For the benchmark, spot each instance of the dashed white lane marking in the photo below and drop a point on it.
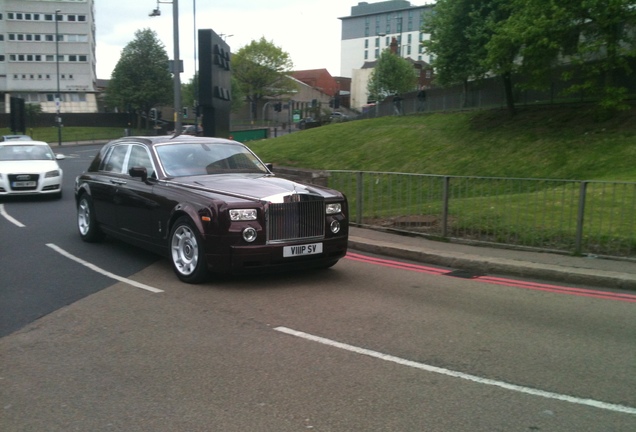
(8, 217)
(461, 375)
(102, 271)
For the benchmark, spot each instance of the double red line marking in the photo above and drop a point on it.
(624, 297)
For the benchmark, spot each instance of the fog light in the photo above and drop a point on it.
(335, 226)
(249, 234)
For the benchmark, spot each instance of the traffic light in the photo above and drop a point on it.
(185, 112)
(278, 107)
(153, 114)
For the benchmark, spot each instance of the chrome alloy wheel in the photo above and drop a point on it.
(84, 217)
(185, 250)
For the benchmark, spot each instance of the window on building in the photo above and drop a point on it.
(71, 18)
(1, 37)
(10, 15)
(81, 18)
(2, 58)
(83, 58)
(48, 17)
(49, 37)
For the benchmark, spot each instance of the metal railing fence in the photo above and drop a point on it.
(579, 217)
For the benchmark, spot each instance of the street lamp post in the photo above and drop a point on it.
(377, 78)
(176, 64)
(58, 119)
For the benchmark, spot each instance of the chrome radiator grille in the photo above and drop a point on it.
(295, 221)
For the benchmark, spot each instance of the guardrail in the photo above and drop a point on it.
(579, 217)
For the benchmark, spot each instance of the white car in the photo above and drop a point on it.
(29, 168)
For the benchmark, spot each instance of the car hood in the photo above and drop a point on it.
(28, 166)
(255, 187)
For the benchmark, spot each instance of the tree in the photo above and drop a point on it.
(605, 43)
(392, 75)
(594, 35)
(456, 57)
(501, 52)
(32, 111)
(261, 70)
(141, 79)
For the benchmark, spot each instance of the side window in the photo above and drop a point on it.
(114, 160)
(139, 157)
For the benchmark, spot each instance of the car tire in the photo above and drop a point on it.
(186, 252)
(86, 222)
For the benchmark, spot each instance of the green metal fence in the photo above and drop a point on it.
(579, 217)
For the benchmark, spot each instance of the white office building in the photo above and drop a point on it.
(370, 28)
(42, 51)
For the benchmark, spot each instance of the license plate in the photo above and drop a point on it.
(300, 250)
(24, 184)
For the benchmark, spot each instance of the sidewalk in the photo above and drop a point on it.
(549, 267)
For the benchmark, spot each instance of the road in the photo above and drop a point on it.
(369, 345)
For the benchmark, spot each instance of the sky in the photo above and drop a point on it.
(308, 30)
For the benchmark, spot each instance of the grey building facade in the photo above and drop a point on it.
(31, 35)
(371, 27)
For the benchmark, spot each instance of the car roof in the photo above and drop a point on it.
(22, 142)
(170, 139)
(15, 137)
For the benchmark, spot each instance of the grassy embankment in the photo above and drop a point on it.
(557, 143)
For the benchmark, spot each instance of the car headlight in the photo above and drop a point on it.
(334, 208)
(54, 173)
(242, 214)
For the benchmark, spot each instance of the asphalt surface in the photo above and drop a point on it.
(551, 267)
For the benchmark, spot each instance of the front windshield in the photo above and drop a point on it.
(189, 159)
(25, 152)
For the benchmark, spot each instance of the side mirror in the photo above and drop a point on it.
(139, 172)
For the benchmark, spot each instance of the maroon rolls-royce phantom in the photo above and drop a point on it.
(210, 205)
